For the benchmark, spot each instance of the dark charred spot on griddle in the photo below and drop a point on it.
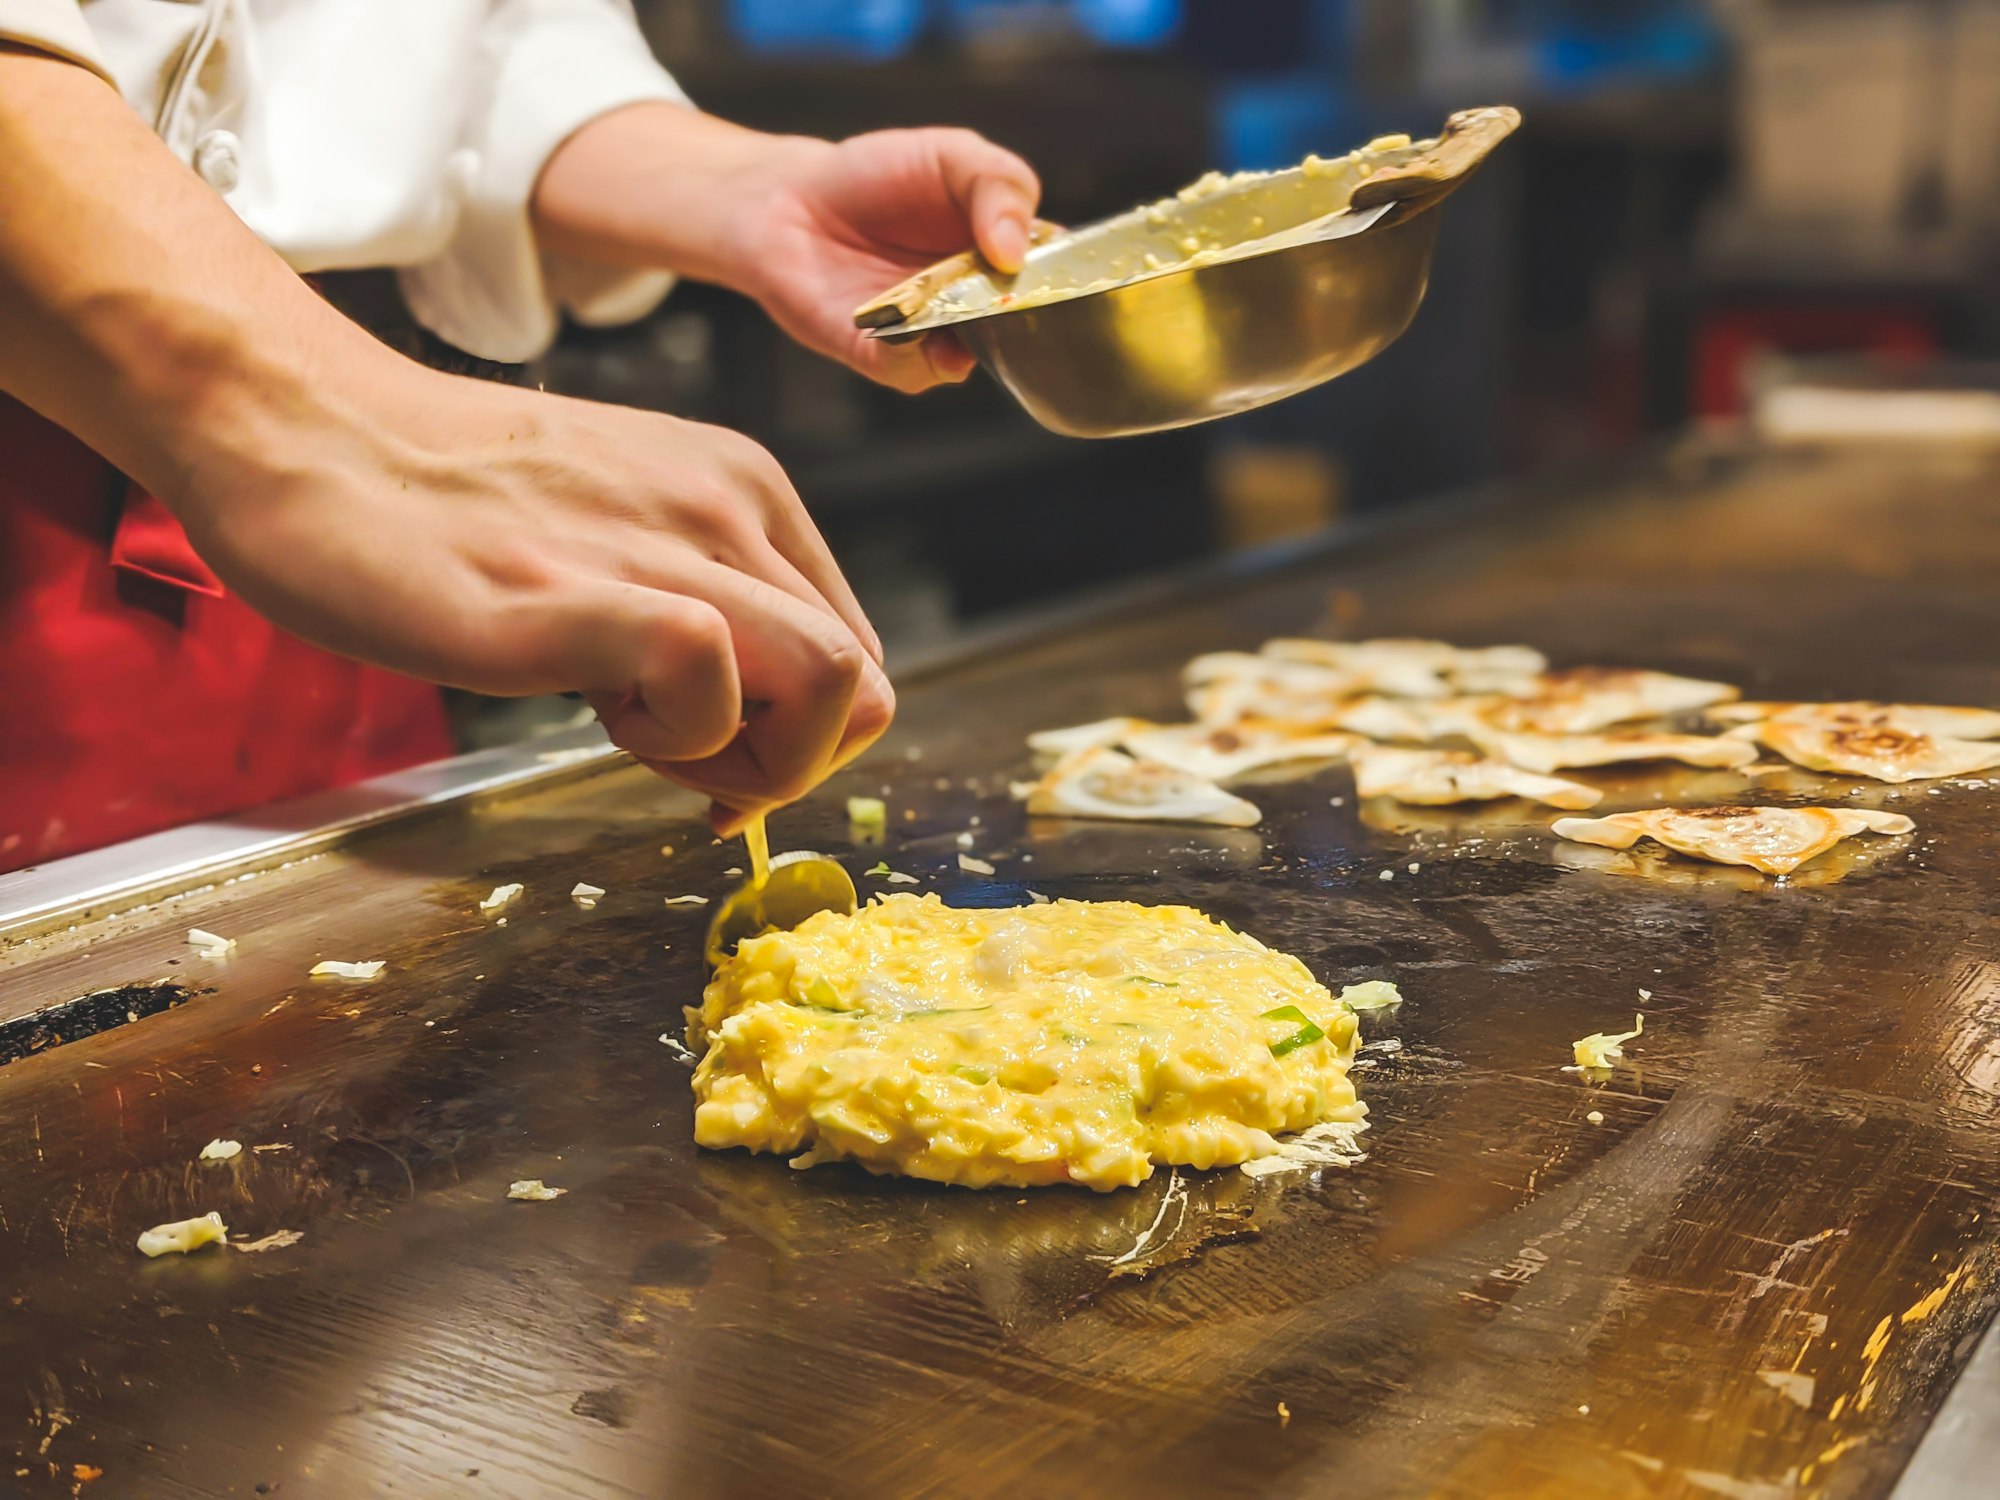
(86, 1016)
(676, 1263)
(612, 1407)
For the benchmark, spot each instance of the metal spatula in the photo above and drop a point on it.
(794, 887)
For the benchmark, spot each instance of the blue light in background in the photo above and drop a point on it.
(868, 30)
(1672, 43)
(1129, 23)
(1272, 122)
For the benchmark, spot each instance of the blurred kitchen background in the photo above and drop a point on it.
(1704, 190)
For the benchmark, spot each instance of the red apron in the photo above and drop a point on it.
(136, 693)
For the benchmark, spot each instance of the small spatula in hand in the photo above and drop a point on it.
(779, 894)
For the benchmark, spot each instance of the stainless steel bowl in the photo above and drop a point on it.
(1238, 293)
(1202, 343)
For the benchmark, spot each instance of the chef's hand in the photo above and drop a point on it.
(843, 222)
(467, 533)
(812, 229)
(512, 542)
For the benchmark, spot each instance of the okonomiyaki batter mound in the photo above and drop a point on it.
(1075, 1041)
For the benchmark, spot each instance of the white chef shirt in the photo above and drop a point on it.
(403, 133)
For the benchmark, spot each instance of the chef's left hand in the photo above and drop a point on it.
(845, 222)
(811, 229)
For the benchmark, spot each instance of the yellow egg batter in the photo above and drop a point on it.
(1073, 1041)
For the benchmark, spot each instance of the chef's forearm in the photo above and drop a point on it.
(135, 309)
(660, 186)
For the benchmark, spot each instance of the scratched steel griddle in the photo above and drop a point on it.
(1758, 1276)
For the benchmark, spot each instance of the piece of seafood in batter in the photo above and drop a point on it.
(1774, 840)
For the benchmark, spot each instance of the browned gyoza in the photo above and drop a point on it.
(1873, 748)
(1774, 840)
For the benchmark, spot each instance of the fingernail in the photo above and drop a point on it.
(875, 684)
(1010, 241)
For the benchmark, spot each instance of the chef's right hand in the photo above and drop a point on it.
(512, 542)
(472, 534)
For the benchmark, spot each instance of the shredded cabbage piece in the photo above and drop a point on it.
(1331, 1143)
(1603, 1049)
(533, 1190)
(185, 1235)
(339, 970)
(280, 1239)
(1372, 994)
(501, 895)
(219, 1150)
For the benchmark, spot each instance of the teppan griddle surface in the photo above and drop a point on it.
(1756, 1277)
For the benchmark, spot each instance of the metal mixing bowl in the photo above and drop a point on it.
(1237, 293)
(1201, 343)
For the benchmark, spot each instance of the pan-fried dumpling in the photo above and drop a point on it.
(1219, 752)
(1386, 719)
(1304, 681)
(1388, 667)
(1106, 783)
(1218, 666)
(1435, 778)
(1232, 700)
(1227, 700)
(1555, 752)
(1392, 656)
(1416, 720)
(1775, 840)
(1880, 750)
(1584, 700)
(1215, 752)
(1083, 736)
(1917, 718)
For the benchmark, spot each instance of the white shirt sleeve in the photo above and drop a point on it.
(548, 67)
(52, 26)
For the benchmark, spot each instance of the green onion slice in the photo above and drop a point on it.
(1306, 1035)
